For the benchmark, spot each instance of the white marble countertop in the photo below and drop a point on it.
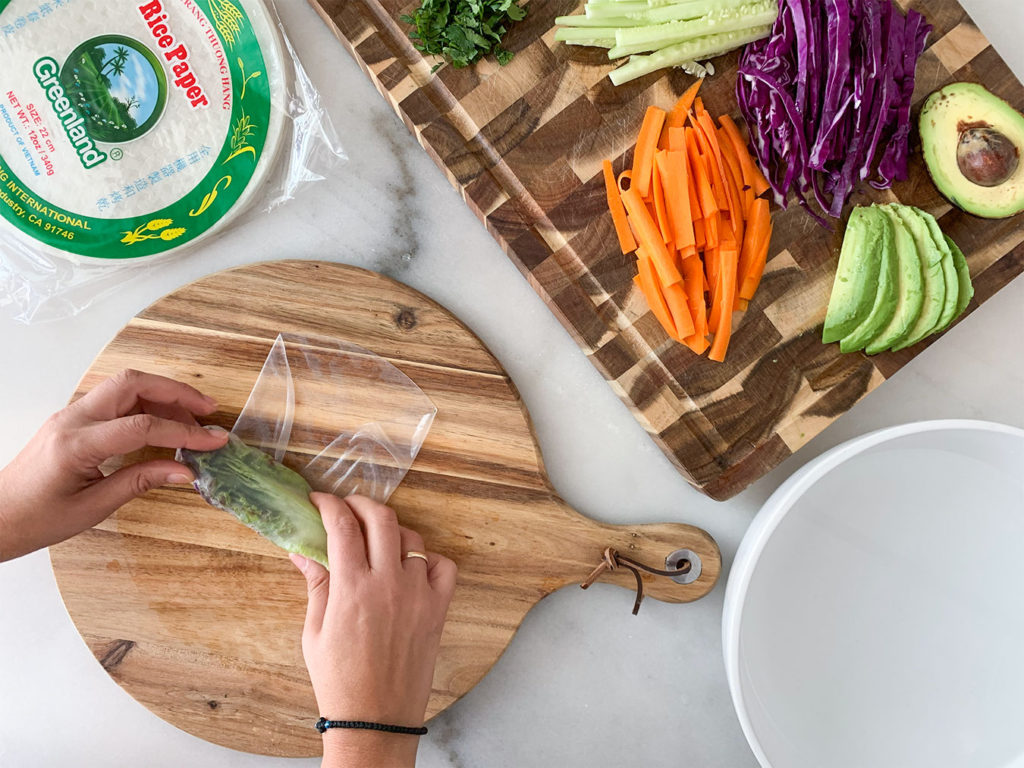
(583, 685)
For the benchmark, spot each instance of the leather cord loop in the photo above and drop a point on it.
(612, 560)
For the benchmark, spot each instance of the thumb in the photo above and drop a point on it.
(130, 482)
(318, 586)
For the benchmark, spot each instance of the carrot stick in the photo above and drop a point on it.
(663, 139)
(646, 144)
(731, 161)
(726, 301)
(649, 237)
(736, 209)
(722, 256)
(660, 206)
(713, 297)
(749, 245)
(735, 171)
(698, 104)
(662, 317)
(755, 249)
(698, 233)
(626, 175)
(712, 273)
(708, 140)
(677, 115)
(699, 168)
(618, 210)
(712, 230)
(693, 279)
(697, 343)
(741, 304)
(691, 186)
(652, 292)
(649, 203)
(673, 170)
(675, 297)
(752, 174)
(676, 139)
(753, 279)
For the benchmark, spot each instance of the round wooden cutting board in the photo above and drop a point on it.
(200, 619)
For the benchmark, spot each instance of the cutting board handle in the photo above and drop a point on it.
(582, 543)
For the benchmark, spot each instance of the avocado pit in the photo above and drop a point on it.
(972, 141)
(985, 156)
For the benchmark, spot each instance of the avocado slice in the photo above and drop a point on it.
(972, 142)
(910, 290)
(963, 274)
(948, 270)
(856, 283)
(932, 275)
(886, 295)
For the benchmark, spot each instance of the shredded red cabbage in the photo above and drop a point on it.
(827, 99)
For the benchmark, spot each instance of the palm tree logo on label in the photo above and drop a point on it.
(117, 85)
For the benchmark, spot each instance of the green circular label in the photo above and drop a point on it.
(117, 85)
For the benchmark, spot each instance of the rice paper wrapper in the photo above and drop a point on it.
(341, 416)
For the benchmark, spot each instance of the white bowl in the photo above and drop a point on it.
(874, 615)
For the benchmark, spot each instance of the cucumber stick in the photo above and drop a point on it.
(648, 12)
(631, 40)
(581, 20)
(576, 34)
(608, 10)
(673, 33)
(595, 43)
(661, 14)
(692, 50)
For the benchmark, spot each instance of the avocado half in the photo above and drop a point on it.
(972, 142)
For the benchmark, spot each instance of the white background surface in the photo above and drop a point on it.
(584, 684)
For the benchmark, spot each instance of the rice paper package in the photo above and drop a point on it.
(131, 131)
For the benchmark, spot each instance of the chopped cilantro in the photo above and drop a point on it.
(463, 30)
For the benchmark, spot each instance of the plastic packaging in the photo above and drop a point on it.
(344, 418)
(131, 132)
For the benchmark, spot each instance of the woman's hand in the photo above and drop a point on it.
(54, 489)
(373, 628)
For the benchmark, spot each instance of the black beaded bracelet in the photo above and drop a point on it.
(323, 724)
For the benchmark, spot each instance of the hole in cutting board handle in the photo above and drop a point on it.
(680, 559)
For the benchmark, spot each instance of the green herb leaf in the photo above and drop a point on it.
(462, 31)
(264, 495)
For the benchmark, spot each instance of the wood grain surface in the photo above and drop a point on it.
(523, 144)
(199, 618)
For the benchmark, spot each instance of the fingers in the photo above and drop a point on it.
(318, 589)
(102, 440)
(383, 538)
(441, 573)
(346, 545)
(102, 498)
(412, 542)
(118, 395)
(170, 411)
